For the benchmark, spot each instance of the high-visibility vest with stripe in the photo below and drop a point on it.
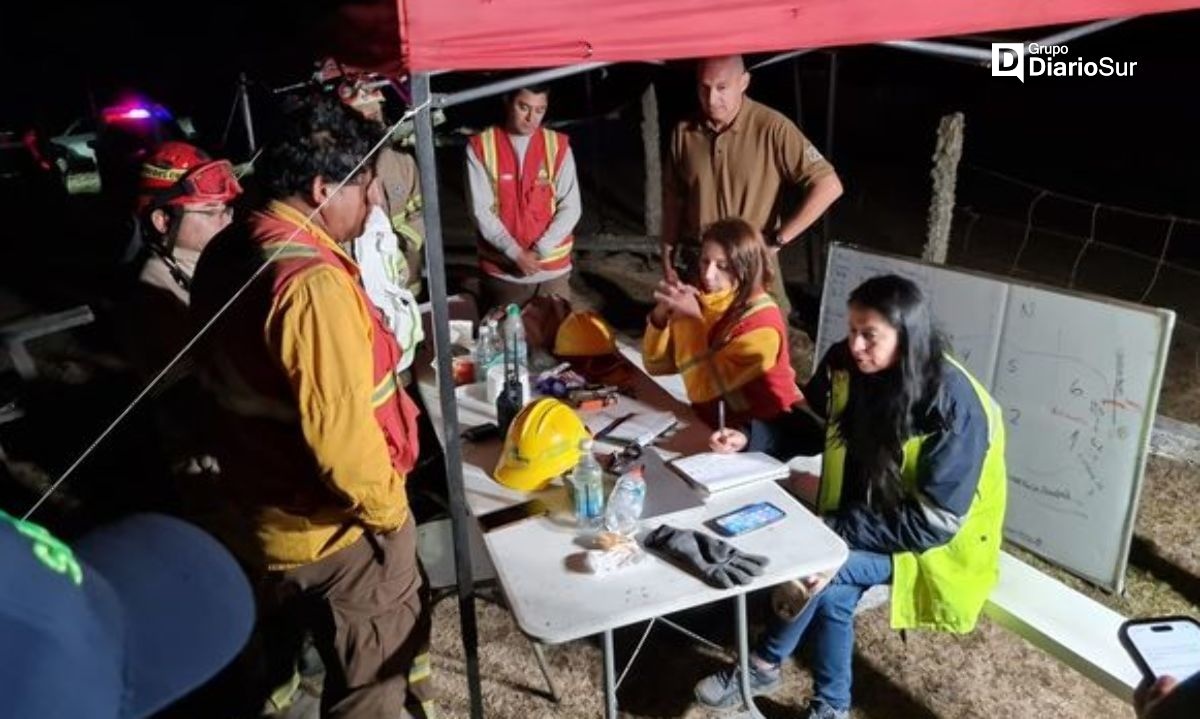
(268, 448)
(771, 393)
(524, 194)
(943, 588)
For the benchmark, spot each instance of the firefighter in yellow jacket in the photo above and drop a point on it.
(318, 440)
(724, 334)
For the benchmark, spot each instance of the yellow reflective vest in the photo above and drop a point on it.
(943, 588)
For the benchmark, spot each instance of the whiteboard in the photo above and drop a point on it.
(1077, 378)
(969, 308)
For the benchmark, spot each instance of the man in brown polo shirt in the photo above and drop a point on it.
(734, 160)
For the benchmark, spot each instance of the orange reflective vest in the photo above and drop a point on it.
(771, 393)
(524, 200)
(299, 517)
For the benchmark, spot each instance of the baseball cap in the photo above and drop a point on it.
(132, 617)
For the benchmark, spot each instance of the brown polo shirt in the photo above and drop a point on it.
(738, 172)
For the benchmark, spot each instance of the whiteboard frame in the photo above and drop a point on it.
(1116, 582)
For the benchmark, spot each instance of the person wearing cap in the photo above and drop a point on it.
(120, 625)
(317, 439)
(524, 199)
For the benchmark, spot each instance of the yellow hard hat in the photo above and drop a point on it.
(584, 334)
(542, 443)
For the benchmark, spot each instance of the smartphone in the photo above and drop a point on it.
(480, 432)
(746, 519)
(510, 515)
(1163, 646)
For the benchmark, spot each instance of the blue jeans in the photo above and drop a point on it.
(831, 616)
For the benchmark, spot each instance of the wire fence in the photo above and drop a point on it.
(1007, 224)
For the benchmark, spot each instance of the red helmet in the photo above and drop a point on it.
(177, 173)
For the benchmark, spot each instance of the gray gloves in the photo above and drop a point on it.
(716, 562)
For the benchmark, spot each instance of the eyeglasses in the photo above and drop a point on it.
(211, 212)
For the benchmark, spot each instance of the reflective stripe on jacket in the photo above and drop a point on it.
(524, 192)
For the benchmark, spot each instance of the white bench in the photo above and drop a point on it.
(1064, 623)
(1067, 625)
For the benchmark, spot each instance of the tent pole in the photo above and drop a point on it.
(514, 83)
(436, 262)
(984, 56)
(782, 57)
(247, 118)
(1077, 32)
(830, 116)
(810, 248)
(943, 49)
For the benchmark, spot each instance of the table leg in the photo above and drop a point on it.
(743, 638)
(610, 677)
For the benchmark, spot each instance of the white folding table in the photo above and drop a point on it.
(554, 602)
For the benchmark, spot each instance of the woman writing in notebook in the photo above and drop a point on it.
(724, 333)
(913, 481)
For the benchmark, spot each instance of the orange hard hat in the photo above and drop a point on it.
(585, 334)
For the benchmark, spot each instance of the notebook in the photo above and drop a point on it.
(713, 472)
(640, 428)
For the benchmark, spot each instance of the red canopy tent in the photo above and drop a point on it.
(471, 35)
(420, 37)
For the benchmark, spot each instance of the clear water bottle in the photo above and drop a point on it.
(514, 336)
(486, 349)
(587, 480)
(626, 502)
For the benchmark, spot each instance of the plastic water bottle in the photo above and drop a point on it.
(588, 482)
(486, 354)
(626, 502)
(514, 336)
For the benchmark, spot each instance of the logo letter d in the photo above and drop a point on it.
(1008, 59)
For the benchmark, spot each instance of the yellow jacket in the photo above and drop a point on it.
(754, 354)
(293, 363)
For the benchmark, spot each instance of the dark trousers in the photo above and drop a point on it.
(367, 607)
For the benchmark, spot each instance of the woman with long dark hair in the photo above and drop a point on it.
(723, 333)
(913, 480)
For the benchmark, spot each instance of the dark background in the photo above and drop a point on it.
(1113, 139)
